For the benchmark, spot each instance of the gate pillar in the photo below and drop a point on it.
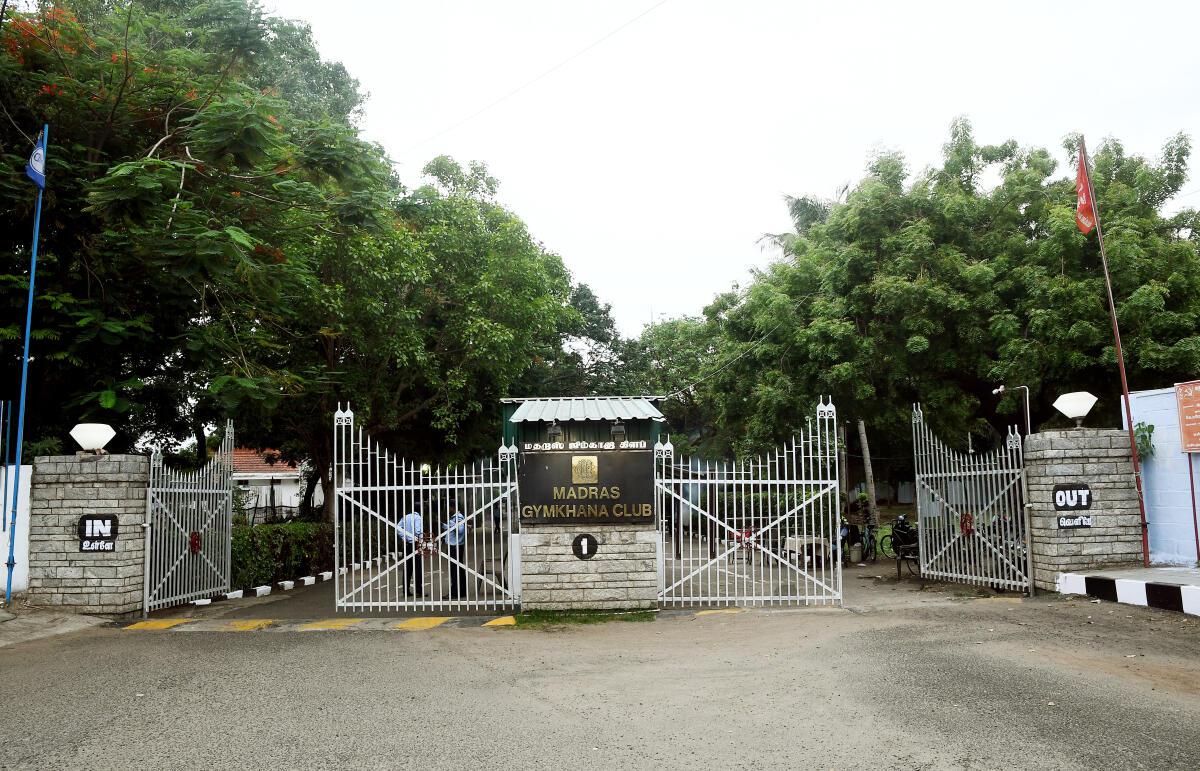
(1083, 508)
(86, 543)
(621, 571)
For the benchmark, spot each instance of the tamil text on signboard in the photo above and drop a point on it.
(1073, 498)
(595, 486)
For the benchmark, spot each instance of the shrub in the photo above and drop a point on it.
(265, 554)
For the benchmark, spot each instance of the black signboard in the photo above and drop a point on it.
(98, 532)
(591, 486)
(1072, 497)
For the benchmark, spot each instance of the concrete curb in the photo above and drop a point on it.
(1184, 599)
(262, 591)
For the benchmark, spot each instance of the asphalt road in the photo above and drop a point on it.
(906, 679)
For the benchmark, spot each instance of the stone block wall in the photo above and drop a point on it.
(622, 575)
(1099, 458)
(65, 487)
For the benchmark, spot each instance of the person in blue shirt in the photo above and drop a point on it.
(456, 540)
(410, 529)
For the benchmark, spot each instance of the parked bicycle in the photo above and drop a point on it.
(870, 550)
(902, 545)
(901, 530)
(864, 535)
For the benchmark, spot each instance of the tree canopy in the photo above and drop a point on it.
(936, 287)
(218, 241)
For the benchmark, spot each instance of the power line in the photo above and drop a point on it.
(540, 77)
(727, 364)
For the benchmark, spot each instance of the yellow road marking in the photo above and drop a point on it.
(250, 624)
(717, 611)
(159, 623)
(502, 621)
(330, 623)
(421, 624)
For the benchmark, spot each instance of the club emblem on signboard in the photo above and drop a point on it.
(585, 470)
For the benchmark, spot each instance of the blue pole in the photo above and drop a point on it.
(16, 492)
(7, 418)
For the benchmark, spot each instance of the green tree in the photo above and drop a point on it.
(933, 288)
(218, 241)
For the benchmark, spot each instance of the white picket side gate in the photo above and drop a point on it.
(376, 565)
(759, 531)
(189, 528)
(972, 522)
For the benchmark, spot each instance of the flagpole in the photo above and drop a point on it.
(1112, 313)
(16, 492)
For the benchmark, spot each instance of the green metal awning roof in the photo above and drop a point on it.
(586, 408)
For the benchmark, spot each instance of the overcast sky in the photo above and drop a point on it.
(654, 161)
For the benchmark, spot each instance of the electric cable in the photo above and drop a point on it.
(538, 78)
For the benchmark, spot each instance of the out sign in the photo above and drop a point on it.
(98, 532)
(1075, 497)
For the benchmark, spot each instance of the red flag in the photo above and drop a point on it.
(1085, 213)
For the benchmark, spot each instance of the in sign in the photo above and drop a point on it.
(97, 532)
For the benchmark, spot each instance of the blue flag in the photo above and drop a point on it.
(36, 168)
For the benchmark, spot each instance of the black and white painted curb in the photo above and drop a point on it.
(1185, 599)
(263, 591)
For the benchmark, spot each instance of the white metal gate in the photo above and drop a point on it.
(972, 522)
(385, 562)
(189, 523)
(759, 531)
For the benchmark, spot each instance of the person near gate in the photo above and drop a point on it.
(411, 529)
(456, 539)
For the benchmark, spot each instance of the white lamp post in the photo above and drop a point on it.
(91, 437)
(1075, 405)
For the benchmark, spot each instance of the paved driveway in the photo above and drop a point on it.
(907, 679)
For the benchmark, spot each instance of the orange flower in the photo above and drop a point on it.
(114, 57)
(236, 193)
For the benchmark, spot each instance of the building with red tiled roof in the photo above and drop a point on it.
(248, 461)
(270, 488)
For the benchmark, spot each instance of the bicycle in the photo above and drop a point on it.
(887, 544)
(869, 547)
(849, 535)
(901, 544)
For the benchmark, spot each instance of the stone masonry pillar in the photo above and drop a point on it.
(623, 574)
(1084, 509)
(66, 488)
